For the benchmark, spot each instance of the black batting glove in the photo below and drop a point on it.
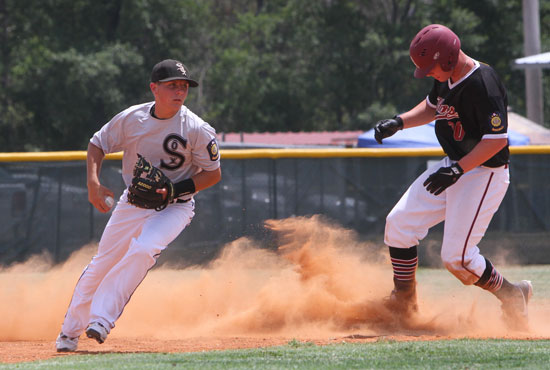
(443, 178)
(387, 127)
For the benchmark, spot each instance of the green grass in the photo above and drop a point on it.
(441, 281)
(383, 354)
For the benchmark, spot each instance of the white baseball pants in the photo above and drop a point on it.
(130, 245)
(467, 208)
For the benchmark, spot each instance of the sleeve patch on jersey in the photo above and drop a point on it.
(213, 151)
(496, 122)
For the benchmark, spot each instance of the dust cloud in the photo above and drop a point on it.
(320, 282)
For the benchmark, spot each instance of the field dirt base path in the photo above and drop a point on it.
(322, 284)
(25, 351)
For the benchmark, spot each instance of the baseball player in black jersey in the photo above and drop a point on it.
(468, 103)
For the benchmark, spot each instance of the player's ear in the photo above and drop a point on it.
(153, 86)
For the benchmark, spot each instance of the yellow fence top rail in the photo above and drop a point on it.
(271, 153)
(50, 156)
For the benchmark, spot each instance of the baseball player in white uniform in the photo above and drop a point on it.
(184, 147)
(469, 104)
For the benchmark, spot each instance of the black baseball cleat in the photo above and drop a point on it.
(514, 307)
(97, 331)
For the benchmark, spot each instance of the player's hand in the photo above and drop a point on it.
(97, 194)
(444, 177)
(164, 193)
(387, 127)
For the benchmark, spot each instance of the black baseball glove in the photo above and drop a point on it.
(444, 177)
(387, 127)
(147, 180)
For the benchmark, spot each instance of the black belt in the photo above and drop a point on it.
(501, 166)
(181, 200)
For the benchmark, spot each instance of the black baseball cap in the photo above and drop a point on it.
(169, 70)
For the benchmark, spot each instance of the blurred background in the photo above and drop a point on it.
(272, 74)
(68, 66)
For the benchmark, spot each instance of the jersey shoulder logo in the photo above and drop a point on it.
(213, 150)
(496, 122)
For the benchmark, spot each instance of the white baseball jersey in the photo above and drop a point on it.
(180, 146)
(134, 237)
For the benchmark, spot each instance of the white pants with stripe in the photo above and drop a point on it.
(467, 208)
(130, 245)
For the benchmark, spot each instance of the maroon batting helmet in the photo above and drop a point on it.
(434, 44)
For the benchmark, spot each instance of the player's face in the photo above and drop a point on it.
(170, 94)
(439, 74)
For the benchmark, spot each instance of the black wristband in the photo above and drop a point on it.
(399, 120)
(460, 170)
(184, 187)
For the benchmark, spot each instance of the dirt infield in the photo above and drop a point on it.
(22, 351)
(321, 285)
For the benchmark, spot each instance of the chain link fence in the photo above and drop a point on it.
(44, 204)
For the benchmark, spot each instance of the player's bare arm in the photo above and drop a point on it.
(484, 150)
(96, 192)
(444, 177)
(202, 180)
(418, 116)
(206, 179)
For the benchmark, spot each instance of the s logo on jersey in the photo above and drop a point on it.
(496, 122)
(173, 145)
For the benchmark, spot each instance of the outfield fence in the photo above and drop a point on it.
(44, 202)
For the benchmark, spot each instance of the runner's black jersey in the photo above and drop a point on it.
(470, 109)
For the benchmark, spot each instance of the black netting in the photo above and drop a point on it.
(44, 205)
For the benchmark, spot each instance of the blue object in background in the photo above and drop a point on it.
(421, 137)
